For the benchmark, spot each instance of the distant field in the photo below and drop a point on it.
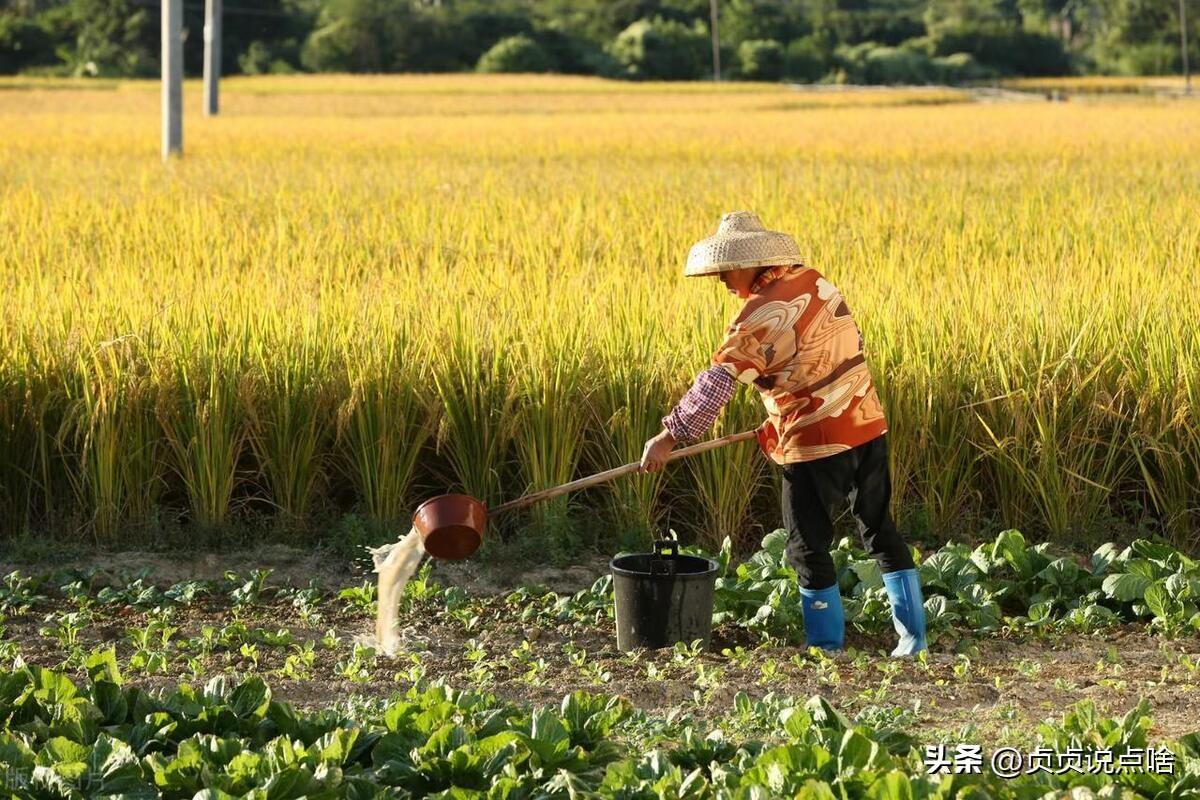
(385, 95)
(1101, 84)
(355, 292)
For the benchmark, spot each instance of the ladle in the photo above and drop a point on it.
(452, 525)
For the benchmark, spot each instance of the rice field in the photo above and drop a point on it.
(353, 293)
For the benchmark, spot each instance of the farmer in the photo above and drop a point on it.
(795, 342)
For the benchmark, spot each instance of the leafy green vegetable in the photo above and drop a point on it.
(234, 742)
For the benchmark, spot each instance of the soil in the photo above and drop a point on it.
(298, 567)
(1004, 687)
(291, 566)
(481, 579)
(993, 689)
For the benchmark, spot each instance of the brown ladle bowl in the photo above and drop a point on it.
(452, 525)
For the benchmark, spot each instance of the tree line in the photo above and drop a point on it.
(853, 41)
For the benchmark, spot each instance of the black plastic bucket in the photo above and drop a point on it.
(663, 597)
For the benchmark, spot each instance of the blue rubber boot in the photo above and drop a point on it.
(824, 619)
(908, 610)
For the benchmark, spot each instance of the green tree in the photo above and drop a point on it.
(662, 49)
(630, 38)
(1003, 47)
(382, 36)
(1140, 37)
(889, 65)
(962, 13)
(111, 38)
(259, 58)
(603, 20)
(746, 20)
(267, 36)
(515, 54)
(995, 33)
(808, 58)
(761, 59)
(479, 27)
(24, 42)
(959, 68)
(574, 54)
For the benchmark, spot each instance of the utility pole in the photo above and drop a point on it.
(1187, 75)
(716, 40)
(172, 78)
(212, 56)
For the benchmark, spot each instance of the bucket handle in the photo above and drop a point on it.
(665, 546)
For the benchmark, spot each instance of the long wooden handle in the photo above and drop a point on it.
(617, 472)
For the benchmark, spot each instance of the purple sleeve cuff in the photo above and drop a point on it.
(699, 407)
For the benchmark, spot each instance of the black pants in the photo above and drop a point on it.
(812, 491)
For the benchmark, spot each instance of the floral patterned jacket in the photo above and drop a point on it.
(795, 341)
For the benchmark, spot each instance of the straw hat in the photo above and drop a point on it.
(741, 242)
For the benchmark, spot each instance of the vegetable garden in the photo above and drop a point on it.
(522, 693)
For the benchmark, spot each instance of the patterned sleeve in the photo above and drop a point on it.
(740, 354)
(698, 409)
